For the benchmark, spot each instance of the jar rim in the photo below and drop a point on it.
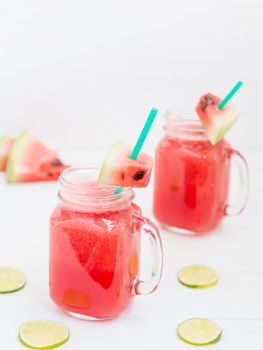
(183, 120)
(75, 188)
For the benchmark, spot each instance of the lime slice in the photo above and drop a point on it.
(11, 279)
(43, 334)
(197, 276)
(199, 331)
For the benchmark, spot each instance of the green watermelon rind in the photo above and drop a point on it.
(17, 150)
(110, 156)
(6, 144)
(221, 127)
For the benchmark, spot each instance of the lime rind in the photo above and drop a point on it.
(44, 348)
(197, 276)
(203, 332)
(37, 334)
(13, 290)
(11, 279)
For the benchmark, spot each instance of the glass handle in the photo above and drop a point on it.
(147, 228)
(240, 162)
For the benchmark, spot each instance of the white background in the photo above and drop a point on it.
(83, 74)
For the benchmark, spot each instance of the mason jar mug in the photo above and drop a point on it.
(95, 247)
(191, 185)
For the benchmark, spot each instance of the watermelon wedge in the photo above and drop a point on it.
(119, 170)
(6, 144)
(216, 122)
(30, 160)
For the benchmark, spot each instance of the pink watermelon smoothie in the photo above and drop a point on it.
(93, 259)
(191, 182)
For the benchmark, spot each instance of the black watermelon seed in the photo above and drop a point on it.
(138, 175)
(209, 100)
(203, 106)
(56, 162)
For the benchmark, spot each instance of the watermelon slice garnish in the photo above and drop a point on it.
(119, 170)
(215, 121)
(31, 160)
(6, 144)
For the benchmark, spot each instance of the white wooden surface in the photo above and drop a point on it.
(234, 250)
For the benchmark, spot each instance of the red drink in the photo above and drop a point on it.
(191, 178)
(94, 250)
(90, 259)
